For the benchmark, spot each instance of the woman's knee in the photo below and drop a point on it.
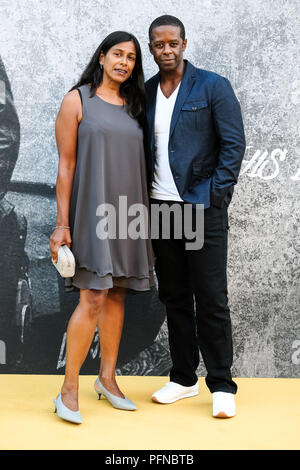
(93, 300)
(117, 294)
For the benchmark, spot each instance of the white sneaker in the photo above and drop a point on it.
(223, 405)
(172, 392)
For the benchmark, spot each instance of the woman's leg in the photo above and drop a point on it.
(80, 333)
(110, 325)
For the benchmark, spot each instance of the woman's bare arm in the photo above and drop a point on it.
(66, 128)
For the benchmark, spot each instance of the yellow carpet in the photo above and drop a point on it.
(268, 417)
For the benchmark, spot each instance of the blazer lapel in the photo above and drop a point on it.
(184, 89)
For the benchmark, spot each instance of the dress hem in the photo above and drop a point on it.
(109, 273)
(89, 279)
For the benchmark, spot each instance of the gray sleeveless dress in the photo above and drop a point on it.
(110, 163)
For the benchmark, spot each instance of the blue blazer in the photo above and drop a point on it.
(206, 141)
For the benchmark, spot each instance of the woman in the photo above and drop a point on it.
(99, 134)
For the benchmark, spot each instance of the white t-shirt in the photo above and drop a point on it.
(163, 183)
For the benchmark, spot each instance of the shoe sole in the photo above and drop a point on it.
(222, 414)
(188, 395)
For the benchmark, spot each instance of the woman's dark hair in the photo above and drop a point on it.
(133, 89)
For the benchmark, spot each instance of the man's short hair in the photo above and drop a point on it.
(167, 20)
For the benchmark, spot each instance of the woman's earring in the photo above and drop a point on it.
(101, 67)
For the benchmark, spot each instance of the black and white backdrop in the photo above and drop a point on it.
(44, 46)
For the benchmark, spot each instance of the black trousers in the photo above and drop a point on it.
(193, 287)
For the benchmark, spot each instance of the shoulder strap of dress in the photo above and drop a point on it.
(80, 94)
(83, 91)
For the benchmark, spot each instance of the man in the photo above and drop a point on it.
(196, 146)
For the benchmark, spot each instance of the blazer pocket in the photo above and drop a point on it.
(200, 172)
(194, 106)
(194, 114)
